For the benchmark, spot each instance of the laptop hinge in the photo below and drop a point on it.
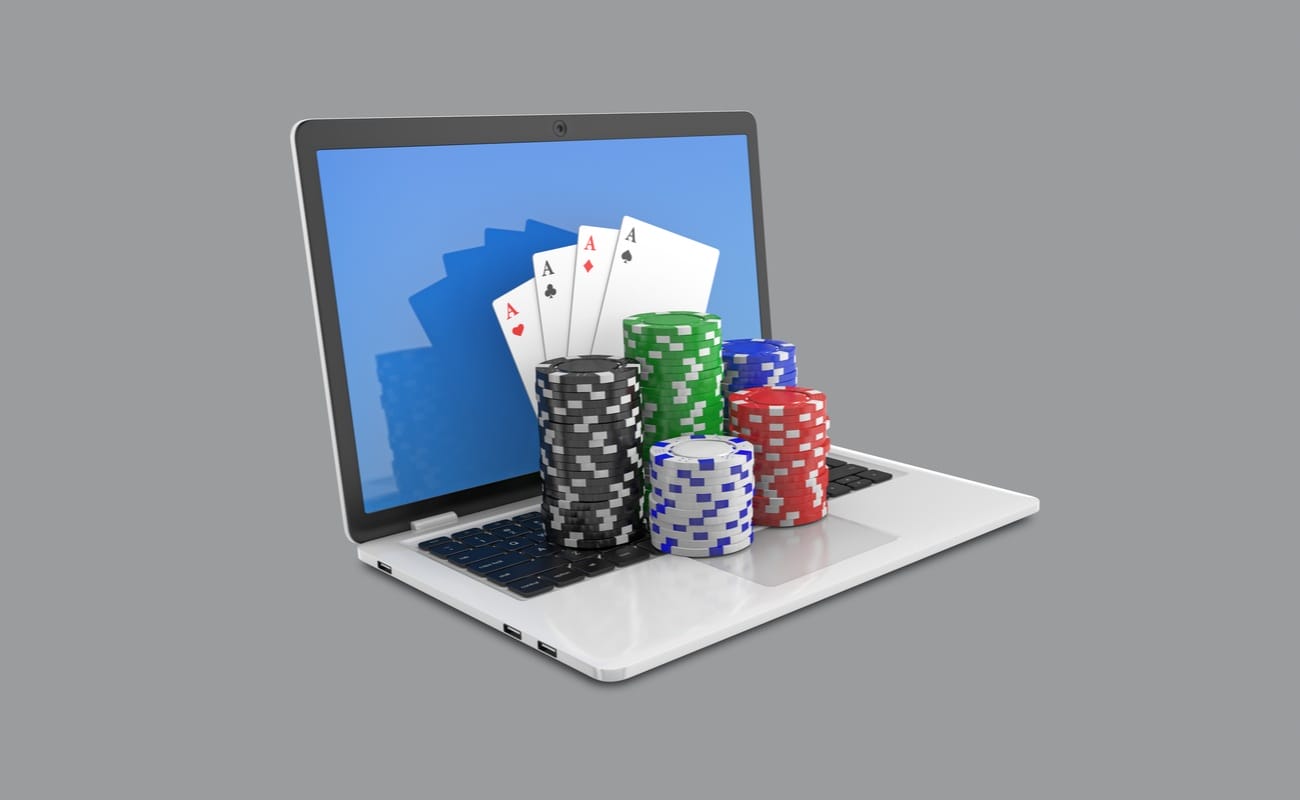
(436, 521)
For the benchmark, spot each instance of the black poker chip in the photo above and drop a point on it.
(613, 504)
(625, 437)
(565, 461)
(614, 450)
(587, 370)
(624, 419)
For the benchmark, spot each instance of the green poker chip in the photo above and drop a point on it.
(679, 323)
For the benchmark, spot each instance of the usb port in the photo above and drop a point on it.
(547, 649)
(384, 567)
(512, 631)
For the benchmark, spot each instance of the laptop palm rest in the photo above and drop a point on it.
(783, 554)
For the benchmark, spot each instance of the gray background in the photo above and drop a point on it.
(1051, 249)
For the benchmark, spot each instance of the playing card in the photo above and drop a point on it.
(553, 271)
(517, 313)
(590, 274)
(652, 270)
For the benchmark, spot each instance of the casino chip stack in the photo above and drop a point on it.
(788, 428)
(701, 492)
(747, 363)
(680, 353)
(589, 426)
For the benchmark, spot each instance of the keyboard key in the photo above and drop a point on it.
(478, 539)
(625, 555)
(571, 553)
(537, 536)
(499, 524)
(845, 470)
(460, 536)
(467, 557)
(448, 549)
(878, 476)
(837, 489)
(528, 516)
(834, 462)
(516, 543)
(534, 526)
(592, 565)
(495, 563)
(528, 587)
(563, 576)
(847, 480)
(429, 544)
(513, 573)
(533, 550)
(859, 483)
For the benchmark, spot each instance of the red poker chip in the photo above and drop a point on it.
(788, 512)
(787, 521)
(779, 436)
(797, 478)
(776, 463)
(793, 476)
(812, 455)
(783, 502)
(778, 400)
(791, 491)
(759, 421)
(791, 488)
(784, 445)
(777, 456)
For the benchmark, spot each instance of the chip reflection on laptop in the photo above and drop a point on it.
(557, 403)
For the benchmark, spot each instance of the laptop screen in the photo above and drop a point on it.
(423, 239)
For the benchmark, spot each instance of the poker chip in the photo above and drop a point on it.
(788, 428)
(700, 494)
(600, 372)
(674, 323)
(749, 351)
(668, 544)
(601, 543)
(590, 451)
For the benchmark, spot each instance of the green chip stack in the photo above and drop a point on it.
(681, 372)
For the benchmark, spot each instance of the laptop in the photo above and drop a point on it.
(412, 227)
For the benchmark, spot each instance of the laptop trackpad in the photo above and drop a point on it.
(782, 554)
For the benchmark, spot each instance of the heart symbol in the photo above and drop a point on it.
(588, 265)
(518, 330)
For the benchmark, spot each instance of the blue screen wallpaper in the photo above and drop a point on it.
(422, 239)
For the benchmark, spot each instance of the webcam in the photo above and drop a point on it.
(560, 127)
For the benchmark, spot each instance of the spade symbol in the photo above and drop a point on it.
(627, 256)
(550, 290)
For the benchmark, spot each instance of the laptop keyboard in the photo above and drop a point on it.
(514, 555)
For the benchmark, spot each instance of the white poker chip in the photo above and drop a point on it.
(666, 544)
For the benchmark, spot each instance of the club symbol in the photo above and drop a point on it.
(627, 256)
(550, 290)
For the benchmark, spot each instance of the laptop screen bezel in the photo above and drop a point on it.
(314, 135)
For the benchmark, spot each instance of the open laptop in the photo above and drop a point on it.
(412, 227)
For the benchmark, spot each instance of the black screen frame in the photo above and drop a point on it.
(311, 136)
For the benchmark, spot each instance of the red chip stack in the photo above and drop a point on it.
(788, 427)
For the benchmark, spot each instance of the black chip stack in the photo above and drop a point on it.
(589, 431)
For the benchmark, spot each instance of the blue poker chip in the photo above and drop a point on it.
(744, 351)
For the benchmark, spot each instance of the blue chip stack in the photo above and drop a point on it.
(747, 363)
(701, 495)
